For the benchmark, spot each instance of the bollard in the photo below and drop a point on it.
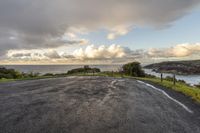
(161, 77)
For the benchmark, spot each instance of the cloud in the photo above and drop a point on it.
(118, 31)
(20, 55)
(89, 54)
(180, 50)
(99, 53)
(52, 54)
(31, 42)
(34, 54)
(106, 54)
(35, 24)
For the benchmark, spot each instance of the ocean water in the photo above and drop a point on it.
(42, 69)
(190, 79)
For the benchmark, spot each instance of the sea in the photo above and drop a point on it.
(43, 69)
(190, 79)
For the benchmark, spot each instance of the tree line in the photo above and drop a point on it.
(13, 74)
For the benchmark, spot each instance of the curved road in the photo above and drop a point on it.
(93, 105)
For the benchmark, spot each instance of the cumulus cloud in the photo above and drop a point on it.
(180, 50)
(106, 54)
(90, 54)
(101, 52)
(35, 24)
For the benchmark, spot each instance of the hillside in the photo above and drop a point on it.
(178, 67)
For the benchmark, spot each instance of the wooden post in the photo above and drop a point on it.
(161, 77)
(174, 79)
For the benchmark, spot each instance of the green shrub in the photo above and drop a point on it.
(48, 74)
(84, 70)
(133, 69)
(150, 76)
(9, 73)
(198, 85)
(168, 78)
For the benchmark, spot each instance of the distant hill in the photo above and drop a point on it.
(178, 67)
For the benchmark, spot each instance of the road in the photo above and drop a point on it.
(93, 105)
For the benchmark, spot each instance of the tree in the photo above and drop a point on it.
(133, 69)
(85, 69)
(9, 73)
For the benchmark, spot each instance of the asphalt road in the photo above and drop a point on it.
(93, 105)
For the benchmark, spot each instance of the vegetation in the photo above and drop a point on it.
(9, 73)
(105, 74)
(21, 79)
(133, 69)
(85, 69)
(178, 67)
(181, 87)
(198, 86)
(13, 74)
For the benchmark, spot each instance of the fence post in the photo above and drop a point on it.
(161, 77)
(174, 79)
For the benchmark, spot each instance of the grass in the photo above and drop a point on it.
(185, 89)
(21, 79)
(106, 74)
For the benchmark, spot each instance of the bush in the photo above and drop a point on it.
(9, 73)
(198, 85)
(150, 76)
(84, 70)
(133, 69)
(48, 74)
(182, 81)
(168, 78)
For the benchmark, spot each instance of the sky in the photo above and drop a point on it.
(98, 31)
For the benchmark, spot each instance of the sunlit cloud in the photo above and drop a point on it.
(101, 52)
(106, 54)
(180, 50)
(118, 31)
